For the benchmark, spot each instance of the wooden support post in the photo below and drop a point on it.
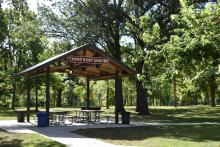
(28, 98)
(116, 99)
(107, 96)
(48, 93)
(36, 95)
(87, 93)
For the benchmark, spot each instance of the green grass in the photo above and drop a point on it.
(200, 135)
(6, 114)
(158, 136)
(165, 136)
(26, 140)
(170, 114)
(166, 114)
(181, 114)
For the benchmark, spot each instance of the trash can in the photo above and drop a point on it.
(21, 115)
(125, 116)
(42, 119)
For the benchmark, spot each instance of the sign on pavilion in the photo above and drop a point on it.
(89, 60)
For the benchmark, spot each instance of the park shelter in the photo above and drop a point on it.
(85, 61)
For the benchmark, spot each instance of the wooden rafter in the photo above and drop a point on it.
(62, 63)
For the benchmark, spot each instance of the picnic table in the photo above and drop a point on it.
(88, 115)
(57, 117)
(60, 117)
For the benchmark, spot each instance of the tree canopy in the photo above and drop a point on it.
(173, 45)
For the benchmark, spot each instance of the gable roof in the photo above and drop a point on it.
(62, 63)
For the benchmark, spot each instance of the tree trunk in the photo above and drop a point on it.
(153, 101)
(119, 107)
(160, 95)
(118, 95)
(59, 97)
(174, 91)
(142, 100)
(138, 85)
(206, 99)
(71, 95)
(113, 101)
(99, 99)
(143, 108)
(212, 84)
(14, 95)
(127, 98)
(125, 101)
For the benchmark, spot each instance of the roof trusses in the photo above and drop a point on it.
(93, 70)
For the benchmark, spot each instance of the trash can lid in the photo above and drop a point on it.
(21, 110)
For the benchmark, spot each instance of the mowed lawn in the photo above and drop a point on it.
(164, 114)
(25, 140)
(170, 114)
(159, 136)
(165, 136)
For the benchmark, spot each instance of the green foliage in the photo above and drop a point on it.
(3, 27)
(196, 43)
(24, 42)
(176, 41)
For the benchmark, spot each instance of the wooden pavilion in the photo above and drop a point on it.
(85, 61)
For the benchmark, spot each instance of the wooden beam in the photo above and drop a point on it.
(105, 72)
(92, 71)
(116, 99)
(36, 94)
(84, 73)
(78, 51)
(103, 78)
(87, 93)
(108, 68)
(89, 52)
(28, 98)
(79, 73)
(84, 52)
(48, 93)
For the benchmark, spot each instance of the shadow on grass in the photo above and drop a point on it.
(31, 140)
(186, 114)
(19, 143)
(200, 133)
(47, 144)
(11, 143)
(6, 113)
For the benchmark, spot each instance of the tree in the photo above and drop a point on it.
(4, 87)
(154, 12)
(197, 42)
(98, 22)
(24, 42)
